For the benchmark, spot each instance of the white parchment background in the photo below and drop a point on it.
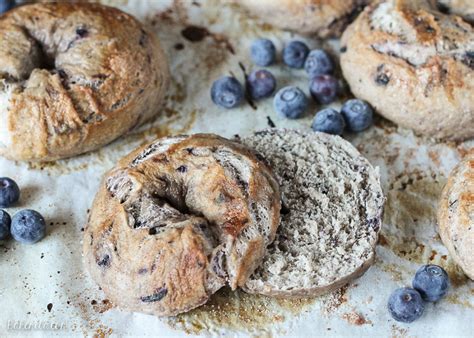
(413, 171)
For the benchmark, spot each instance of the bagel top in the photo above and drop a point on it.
(325, 18)
(176, 220)
(456, 214)
(415, 65)
(74, 77)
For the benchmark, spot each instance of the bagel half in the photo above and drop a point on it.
(74, 77)
(176, 220)
(331, 214)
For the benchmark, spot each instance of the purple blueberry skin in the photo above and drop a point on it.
(262, 52)
(5, 222)
(290, 102)
(28, 226)
(432, 282)
(6, 5)
(261, 84)
(358, 115)
(406, 305)
(324, 88)
(9, 192)
(318, 62)
(295, 54)
(227, 92)
(328, 121)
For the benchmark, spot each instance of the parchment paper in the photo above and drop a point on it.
(44, 290)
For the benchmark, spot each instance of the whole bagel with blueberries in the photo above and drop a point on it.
(325, 18)
(415, 65)
(178, 219)
(74, 77)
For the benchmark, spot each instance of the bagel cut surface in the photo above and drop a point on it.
(178, 219)
(74, 77)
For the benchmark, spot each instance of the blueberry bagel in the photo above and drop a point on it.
(415, 65)
(456, 214)
(74, 77)
(331, 214)
(177, 219)
(325, 18)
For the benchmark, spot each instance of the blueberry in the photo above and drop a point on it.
(261, 84)
(28, 226)
(358, 114)
(290, 102)
(432, 282)
(324, 88)
(405, 305)
(318, 62)
(6, 5)
(9, 192)
(328, 121)
(294, 55)
(227, 92)
(5, 222)
(262, 52)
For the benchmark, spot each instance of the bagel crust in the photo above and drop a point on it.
(177, 219)
(74, 77)
(415, 65)
(325, 18)
(456, 214)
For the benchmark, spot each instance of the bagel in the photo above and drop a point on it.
(325, 18)
(74, 77)
(414, 65)
(176, 220)
(331, 217)
(456, 214)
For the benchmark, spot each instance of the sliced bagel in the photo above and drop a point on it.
(332, 205)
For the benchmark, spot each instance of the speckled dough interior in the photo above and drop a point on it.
(331, 215)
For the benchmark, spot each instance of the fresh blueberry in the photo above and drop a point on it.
(262, 52)
(328, 121)
(318, 62)
(432, 282)
(405, 305)
(358, 114)
(290, 102)
(28, 226)
(324, 88)
(261, 84)
(9, 192)
(5, 222)
(294, 55)
(6, 5)
(227, 92)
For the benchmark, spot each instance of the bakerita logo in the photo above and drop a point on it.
(38, 325)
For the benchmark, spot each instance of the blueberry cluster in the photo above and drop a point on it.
(430, 284)
(291, 102)
(26, 226)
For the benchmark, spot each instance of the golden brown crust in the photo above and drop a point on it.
(415, 65)
(326, 18)
(80, 76)
(456, 214)
(177, 219)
